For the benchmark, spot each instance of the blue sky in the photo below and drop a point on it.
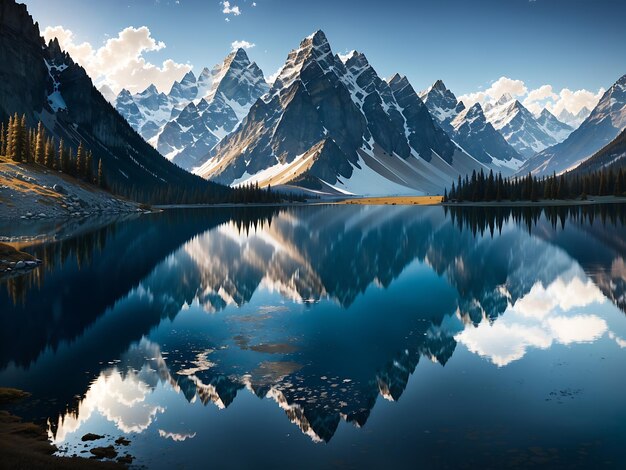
(574, 44)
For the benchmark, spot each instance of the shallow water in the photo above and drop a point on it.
(330, 336)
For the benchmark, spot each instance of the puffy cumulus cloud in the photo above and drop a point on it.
(536, 99)
(539, 319)
(501, 86)
(242, 45)
(574, 101)
(120, 62)
(229, 9)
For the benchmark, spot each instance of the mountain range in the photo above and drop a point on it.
(469, 128)
(198, 112)
(333, 125)
(604, 123)
(374, 135)
(327, 124)
(43, 83)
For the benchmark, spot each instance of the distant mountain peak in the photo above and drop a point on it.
(238, 56)
(439, 86)
(189, 77)
(504, 98)
(150, 90)
(475, 108)
(318, 38)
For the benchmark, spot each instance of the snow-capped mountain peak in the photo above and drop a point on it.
(475, 135)
(330, 123)
(518, 126)
(604, 123)
(552, 126)
(314, 48)
(442, 104)
(199, 111)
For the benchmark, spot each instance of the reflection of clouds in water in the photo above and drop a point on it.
(620, 342)
(121, 400)
(175, 436)
(537, 320)
(561, 294)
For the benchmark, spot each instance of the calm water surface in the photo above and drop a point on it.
(329, 337)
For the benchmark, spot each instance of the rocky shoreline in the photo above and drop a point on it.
(15, 262)
(26, 445)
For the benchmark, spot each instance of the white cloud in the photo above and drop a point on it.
(536, 99)
(120, 62)
(538, 96)
(242, 45)
(230, 9)
(574, 101)
(498, 88)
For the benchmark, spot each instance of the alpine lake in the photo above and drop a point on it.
(327, 337)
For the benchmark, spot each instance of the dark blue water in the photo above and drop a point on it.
(329, 337)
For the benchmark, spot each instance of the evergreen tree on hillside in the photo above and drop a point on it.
(80, 161)
(40, 144)
(17, 140)
(50, 154)
(3, 140)
(100, 180)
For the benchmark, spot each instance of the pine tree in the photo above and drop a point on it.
(3, 140)
(101, 181)
(50, 156)
(63, 162)
(80, 161)
(9, 139)
(40, 144)
(26, 153)
(17, 140)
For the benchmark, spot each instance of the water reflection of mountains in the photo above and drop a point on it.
(307, 255)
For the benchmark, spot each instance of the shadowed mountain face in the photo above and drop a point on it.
(318, 310)
(333, 124)
(43, 82)
(604, 124)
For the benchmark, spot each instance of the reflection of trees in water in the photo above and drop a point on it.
(482, 219)
(80, 250)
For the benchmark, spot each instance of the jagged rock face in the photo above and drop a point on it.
(604, 123)
(442, 104)
(127, 107)
(478, 137)
(553, 127)
(469, 129)
(519, 127)
(42, 82)
(187, 123)
(23, 73)
(332, 125)
(185, 90)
